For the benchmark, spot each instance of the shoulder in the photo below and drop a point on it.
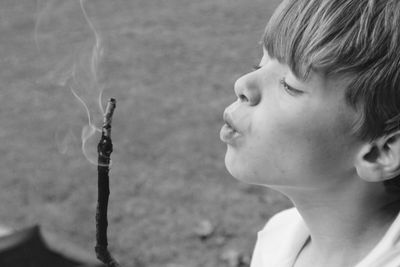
(282, 220)
(389, 258)
(387, 252)
(280, 239)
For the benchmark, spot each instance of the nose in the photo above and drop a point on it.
(247, 89)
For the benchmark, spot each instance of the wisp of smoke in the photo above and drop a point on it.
(77, 69)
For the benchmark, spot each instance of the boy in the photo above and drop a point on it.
(319, 120)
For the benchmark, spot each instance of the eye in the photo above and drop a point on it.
(289, 89)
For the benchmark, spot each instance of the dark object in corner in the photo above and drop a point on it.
(27, 248)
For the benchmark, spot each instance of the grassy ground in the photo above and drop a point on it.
(171, 65)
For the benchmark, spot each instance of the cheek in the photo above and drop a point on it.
(321, 150)
(332, 150)
(263, 156)
(287, 143)
(290, 150)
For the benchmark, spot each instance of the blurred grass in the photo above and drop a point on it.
(171, 65)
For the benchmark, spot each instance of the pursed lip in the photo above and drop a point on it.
(229, 132)
(228, 120)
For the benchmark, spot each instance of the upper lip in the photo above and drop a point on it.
(228, 120)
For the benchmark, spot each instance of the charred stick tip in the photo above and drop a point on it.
(111, 104)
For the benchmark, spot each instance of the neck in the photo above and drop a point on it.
(345, 222)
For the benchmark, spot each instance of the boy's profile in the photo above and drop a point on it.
(319, 121)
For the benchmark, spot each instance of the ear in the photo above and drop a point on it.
(379, 160)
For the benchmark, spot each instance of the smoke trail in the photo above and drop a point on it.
(97, 50)
(63, 140)
(40, 12)
(88, 130)
(76, 61)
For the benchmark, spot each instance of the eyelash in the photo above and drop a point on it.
(292, 91)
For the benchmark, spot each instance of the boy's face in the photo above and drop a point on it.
(290, 133)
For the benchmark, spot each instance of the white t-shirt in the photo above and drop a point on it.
(282, 238)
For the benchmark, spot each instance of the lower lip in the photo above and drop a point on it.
(228, 134)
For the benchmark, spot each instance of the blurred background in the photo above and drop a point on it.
(171, 65)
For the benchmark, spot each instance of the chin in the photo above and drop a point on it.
(230, 165)
(241, 170)
(238, 169)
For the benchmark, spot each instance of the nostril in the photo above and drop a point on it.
(243, 98)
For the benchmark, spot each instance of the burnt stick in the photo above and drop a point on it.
(104, 149)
